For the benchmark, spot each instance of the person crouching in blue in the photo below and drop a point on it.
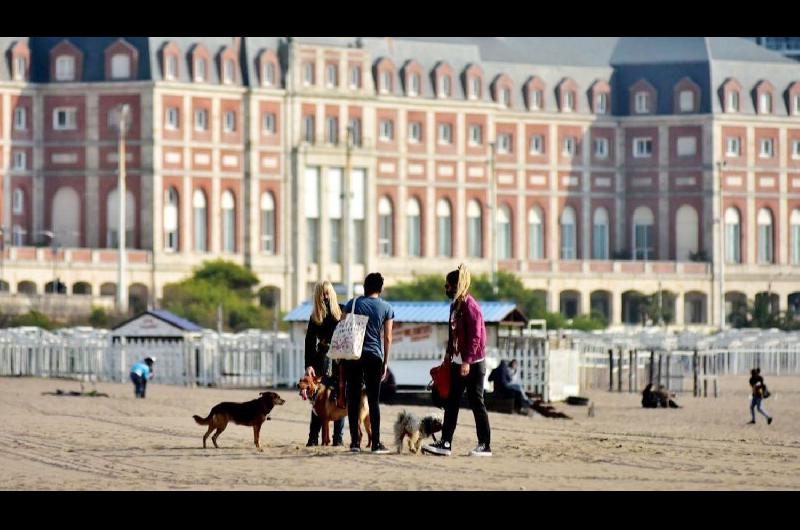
(140, 373)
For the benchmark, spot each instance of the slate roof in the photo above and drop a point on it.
(168, 317)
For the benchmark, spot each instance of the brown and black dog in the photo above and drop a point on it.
(252, 413)
(326, 409)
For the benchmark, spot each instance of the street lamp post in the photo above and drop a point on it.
(721, 219)
(493, 214)
(122, 290)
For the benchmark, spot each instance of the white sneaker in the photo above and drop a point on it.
(440, 448)
(481, 450)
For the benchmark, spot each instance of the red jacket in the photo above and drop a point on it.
(468, 339)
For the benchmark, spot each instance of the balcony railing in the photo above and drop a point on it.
(94, 256)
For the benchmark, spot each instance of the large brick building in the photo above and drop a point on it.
(608, 163)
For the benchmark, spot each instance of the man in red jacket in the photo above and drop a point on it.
(466, 346)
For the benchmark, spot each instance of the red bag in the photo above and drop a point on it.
(440, 386)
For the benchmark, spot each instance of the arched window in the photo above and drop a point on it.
(569, 246)
(414, 228)
(765, 238)
(171, 220)
(385, 228)
(228, 206)
(67, 216)
(444, 221)
(643, 234)
(535, 234)
(733, 242)
(474, 229)
(121, 66)
(504, 233)
(600, 234)
(794, 237)
(686, 232)
(267, 223)
(112, 219)
(199, 206)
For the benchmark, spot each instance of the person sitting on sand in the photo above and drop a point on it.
(665, 398)
(649, 397)
(503, 387)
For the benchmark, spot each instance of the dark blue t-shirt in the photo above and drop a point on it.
(378, 312)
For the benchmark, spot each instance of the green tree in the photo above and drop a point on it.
(32, 318)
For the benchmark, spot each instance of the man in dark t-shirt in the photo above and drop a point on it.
(759, 391)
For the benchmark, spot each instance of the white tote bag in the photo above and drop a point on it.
(348, 337)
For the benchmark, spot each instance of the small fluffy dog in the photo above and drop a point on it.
(251, 413)
(409, 424)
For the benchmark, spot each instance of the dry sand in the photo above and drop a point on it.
(120, 443)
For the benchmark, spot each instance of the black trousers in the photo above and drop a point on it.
(316, 426)
(369, 370)
(473, 383)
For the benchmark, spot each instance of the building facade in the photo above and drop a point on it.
(614, 162)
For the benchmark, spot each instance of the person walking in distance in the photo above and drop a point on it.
(373, 366)
(759, 392)
(325, 314)
(141, 372)
(466, 346)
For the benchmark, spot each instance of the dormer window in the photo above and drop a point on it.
(386, 82)
(569, 101)
(733, 101)
(796, 107)
(414, 85)
(331, 76)
(505, 97)
(444, 86)
(475, 88)
(65, 68)
(121, 66)
(602, 103)
(269, 74)
(20, 68)
(200, 70)
(642, 102)
(537, 100)
(686, 101)
(172, 67)
(229, 72)
(355, 77)
(765, 103)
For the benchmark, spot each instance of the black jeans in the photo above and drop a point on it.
(473, 383)
(316, 425)
(369, 370)
(139, 384)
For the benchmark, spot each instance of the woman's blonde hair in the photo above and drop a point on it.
(463, 285)
(319, 311)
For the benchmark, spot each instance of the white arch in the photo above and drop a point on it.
(443, 208)
(795, 217)
(227, 202)
(412, 207)
(732, 216)
(686, 232)
(568, 216)
(384, 206)
(643, 216)
(267, 201)
(171, 210)
(535, 215)
(764, 217)
(473, 209)
(198, 199)
(67, 217)
(600, 216)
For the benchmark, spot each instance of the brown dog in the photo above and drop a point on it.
(326, 409)
(253, 413)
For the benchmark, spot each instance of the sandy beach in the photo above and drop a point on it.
(120, 443)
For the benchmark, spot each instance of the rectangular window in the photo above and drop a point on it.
(312, 202)
(567, 241)
(504, 143)
(475, 88)
(506, 98)
(642, 102)
(414, 132)
(230, 122)
(308, 73)
(796, 149)
(386, 82)
(796, 109)
(732, 250)
(336, 240)
(65, 68)
(765, 243)
(332, 130)
(733, 101)
(642, 147)
(795, 244)
(602, 103)
(446, 86)
(201, 120)
(20, 160)
(643, 241)
(569, 101)
(19, 205)
(172, 67)
(475, 135)
(600, 241)
(387, 130)
(765, 103)
(601, 148)
(766, 148)
(20, 65)
(569, 147)
(355, 131)
(414, 246)
(331, 76)
(65, 119)
(355, 77)
(537, 99)
(269, 123)
(308, 129)
(20, 119)
(445, 133)
(414, 85)
(172, 118)
(537, 144)
(199, 70)
(120, 66)
(686, 101)
(269, 74)
(687, 146)
(734, 147)
(18, 236)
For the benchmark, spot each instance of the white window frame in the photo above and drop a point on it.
(601, 148)
(505, 143)
(200, 70)
(20, 160)
(386, 81)
(65, 68)
(386, 128)
(269, 123)
(18, 201)
(385, 228)
(171, 67)
(537, 99)
(308, 73)
(414, 85)
(229, 71)
(355, 127)
(569, 146)
(267, 222)
(355, 77)
(765, 98)
(505, 97)
(200, 120)
(639, 144)
(796, 109)
(70, 118)
(269, 73)
(642, 102)
(536, 144)
(474, 87)
(171, 236)
(309, 129)
(414, 132)
(475, 134)
(445, 136)
(682, 146)
(20, 119)
(770, 151)
(733, 101)
(569, 101)
(733, 142)
(795, 149)
(686, 100)
(171, 119)
(446, 86)
(229, 121)
(332, 130)
(20, 68)
(331, 76)
(602, 103)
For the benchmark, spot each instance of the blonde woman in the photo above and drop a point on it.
(325, 314)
